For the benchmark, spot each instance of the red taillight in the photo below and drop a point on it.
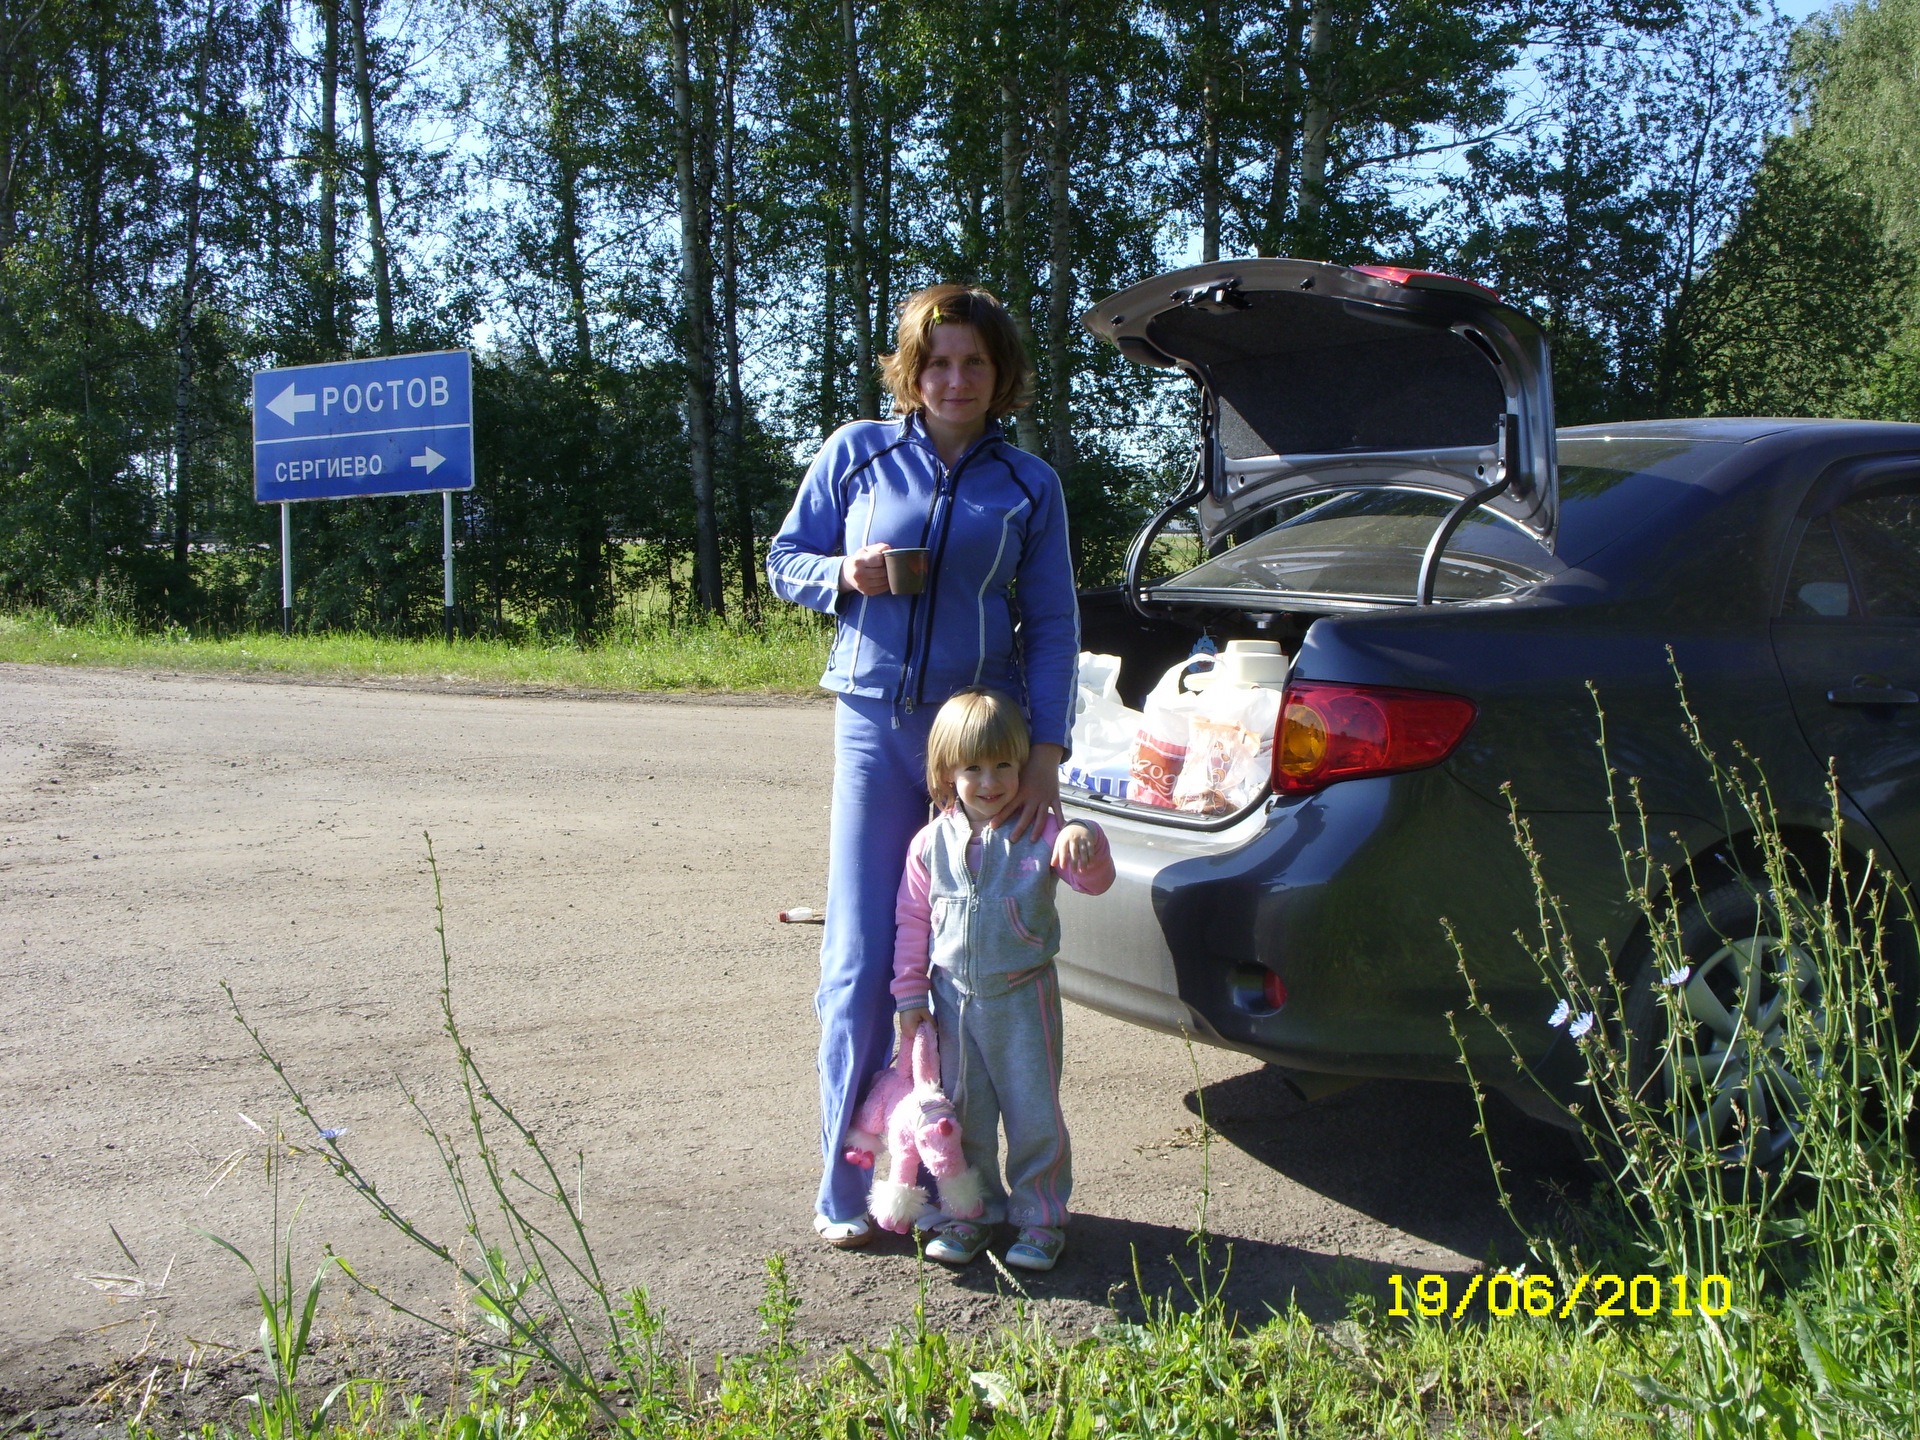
(1424, 279)
(1273, 990)
(1344, 732)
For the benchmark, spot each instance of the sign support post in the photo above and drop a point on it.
(286, 568)
(446, 555)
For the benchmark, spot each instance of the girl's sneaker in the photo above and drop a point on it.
(1038, 1248)
(843, 1234)
(957, 1242)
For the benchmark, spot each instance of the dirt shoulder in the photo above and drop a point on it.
(612, 874)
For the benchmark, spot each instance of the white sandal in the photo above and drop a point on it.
(843, 1234)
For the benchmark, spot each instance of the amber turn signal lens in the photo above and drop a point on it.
(1302, 746)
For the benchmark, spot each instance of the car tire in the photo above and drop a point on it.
(1727, 1083)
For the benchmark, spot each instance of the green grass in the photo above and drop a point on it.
(784, 656)
(1174, 1375)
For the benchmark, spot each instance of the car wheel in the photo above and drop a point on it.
(1712, 1055)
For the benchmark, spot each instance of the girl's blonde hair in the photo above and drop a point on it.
(976, 727)
(956, 305)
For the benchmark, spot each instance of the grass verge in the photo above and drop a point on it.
(782, 656)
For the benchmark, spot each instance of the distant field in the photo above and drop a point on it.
(785, 656)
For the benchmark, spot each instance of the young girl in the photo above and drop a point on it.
(976, 933)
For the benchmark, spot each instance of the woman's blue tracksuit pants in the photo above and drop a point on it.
(879, 803)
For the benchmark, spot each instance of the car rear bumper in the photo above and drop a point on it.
(1348, 897)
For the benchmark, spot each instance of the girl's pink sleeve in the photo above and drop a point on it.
(913, 930)
(1097, 875)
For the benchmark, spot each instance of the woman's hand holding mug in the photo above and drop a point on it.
(865, 570)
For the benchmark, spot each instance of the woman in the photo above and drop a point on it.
(940, 476)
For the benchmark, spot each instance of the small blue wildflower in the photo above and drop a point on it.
(1673, 979)
(333, 1134)
(1582, 1023)
(1559, 1015)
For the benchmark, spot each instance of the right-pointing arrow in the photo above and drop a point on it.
(428, 462)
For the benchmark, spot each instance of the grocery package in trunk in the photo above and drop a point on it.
(1103, 730)
(1203, 743)
(1160, 743)
(1229, 749)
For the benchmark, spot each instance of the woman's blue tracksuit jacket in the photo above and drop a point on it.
(998, 610)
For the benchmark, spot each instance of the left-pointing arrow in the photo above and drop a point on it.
(290, 402)
(428, 462)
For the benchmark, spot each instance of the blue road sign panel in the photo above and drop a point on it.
(395, 425)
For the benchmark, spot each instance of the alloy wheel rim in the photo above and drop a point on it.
(1729, 1070)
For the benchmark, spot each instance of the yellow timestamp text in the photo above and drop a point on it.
(1607, 1296)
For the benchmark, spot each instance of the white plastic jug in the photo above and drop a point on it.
(1246, 662)
(1160, 745)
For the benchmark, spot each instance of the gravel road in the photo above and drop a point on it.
(612, 873)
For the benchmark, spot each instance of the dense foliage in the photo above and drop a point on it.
(674, 231)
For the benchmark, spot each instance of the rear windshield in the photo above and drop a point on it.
(1365, 545)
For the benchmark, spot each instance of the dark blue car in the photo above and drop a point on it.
(1379, 485)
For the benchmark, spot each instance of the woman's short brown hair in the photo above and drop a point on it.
(977, 726)
(956, 305)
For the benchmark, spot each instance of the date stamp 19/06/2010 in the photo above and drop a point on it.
(1611, 1297)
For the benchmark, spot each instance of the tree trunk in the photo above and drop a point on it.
(697, 302)
(747, 555)
(1316, 132)
(16, 56)
(1210, 131)
(370, 176)
(829, 398)
(860, 277)
(91, 217)
(330, 179)
(183, 330)
(1060, 244)
(566, 171)
(1015, 286)
(1285, 134)
(883, 218)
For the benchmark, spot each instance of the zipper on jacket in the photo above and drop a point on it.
(901, 699)
(945, 490)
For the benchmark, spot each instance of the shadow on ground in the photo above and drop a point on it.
(1402, 1153)
(1405, 1154)
(1112, 1262)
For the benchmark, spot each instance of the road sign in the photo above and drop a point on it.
(393, 425)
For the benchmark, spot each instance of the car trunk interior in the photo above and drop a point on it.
(1148, 647)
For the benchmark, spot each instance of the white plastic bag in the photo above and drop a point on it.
(1229, 749)
(1103, 730)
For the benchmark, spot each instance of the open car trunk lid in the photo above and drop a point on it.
(1318, 378)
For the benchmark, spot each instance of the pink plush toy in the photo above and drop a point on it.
(920, 1128)
(888, 1089)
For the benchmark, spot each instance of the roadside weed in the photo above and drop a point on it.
(286, 1312)
(1751, 1091)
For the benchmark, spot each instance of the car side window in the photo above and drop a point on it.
(1818, 584)
(1881, 535)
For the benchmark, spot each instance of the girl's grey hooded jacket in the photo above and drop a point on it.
(999, 606)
